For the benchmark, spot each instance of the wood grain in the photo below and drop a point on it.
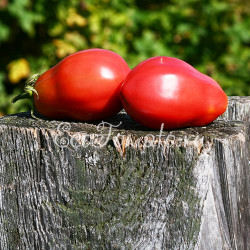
(66, 185)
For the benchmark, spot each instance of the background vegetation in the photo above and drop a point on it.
(212, 35)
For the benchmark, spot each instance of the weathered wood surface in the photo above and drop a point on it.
(238, 109)
(70, 186)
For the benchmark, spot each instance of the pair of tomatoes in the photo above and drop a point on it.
(95, 84)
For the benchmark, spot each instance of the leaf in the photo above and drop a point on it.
(18, 70)
(75, 19)
(4, 32)
(63, 48)
(21, 9)
(76, 39)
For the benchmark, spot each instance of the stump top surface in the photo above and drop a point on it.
(219, 128)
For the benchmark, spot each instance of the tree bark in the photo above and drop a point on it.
(66, 185)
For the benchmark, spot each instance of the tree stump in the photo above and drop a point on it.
(66, 185)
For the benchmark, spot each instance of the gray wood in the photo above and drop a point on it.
(74, 186)
(238, 109)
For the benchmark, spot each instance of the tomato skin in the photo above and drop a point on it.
(83, 86)
(170, 91)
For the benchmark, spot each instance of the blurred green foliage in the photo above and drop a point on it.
(211, 35)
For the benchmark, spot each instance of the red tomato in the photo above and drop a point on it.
(170, 91)
(84, 86)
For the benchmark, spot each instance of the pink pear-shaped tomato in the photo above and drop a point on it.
(83, 86)
(169, 91)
